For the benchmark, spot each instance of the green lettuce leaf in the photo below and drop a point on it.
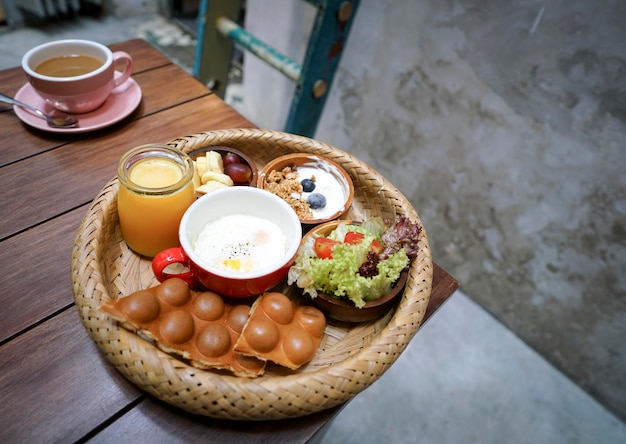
(339, 277)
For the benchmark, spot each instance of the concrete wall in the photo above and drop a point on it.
(504, 123)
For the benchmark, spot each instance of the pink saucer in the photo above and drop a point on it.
(122, 101)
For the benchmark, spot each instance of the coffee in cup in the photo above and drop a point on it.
(76, 76)
(69, 65)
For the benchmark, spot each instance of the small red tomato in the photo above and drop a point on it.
(323, 247)
(353, 238)
(376, 246)
(238, 172)
(230, 158)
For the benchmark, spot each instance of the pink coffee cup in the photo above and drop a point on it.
(77, 93)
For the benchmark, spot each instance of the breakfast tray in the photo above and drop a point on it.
(351, 356)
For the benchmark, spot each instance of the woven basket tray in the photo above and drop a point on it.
(350, 358)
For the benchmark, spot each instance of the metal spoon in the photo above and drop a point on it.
(55, 118)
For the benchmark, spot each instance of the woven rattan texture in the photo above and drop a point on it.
(350, 358)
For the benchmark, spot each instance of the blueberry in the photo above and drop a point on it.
(307, 185)
(316, 201)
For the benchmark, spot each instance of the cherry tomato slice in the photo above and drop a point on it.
(323, 247)
(353, 238)
(376, 246)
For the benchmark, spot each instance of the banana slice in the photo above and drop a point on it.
(201, 165)
(214, 162)
(209, 173)
(219, 177)
(210, 186)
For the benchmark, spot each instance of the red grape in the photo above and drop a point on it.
(238, 172)
(231, 158)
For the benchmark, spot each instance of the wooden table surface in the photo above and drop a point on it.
(55, 386)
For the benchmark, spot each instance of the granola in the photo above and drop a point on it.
(285, 184)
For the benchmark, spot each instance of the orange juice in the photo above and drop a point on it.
(156, 189)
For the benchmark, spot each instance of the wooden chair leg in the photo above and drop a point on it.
(213, 50)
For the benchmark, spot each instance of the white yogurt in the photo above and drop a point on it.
(327, 184)
(240, 242)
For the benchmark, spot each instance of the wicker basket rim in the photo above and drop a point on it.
(423, 270)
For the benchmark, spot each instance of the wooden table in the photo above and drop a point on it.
(55, 386)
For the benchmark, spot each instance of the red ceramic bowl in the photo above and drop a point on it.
(343, 309)
(248, 201)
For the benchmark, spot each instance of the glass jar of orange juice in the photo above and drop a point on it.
(156, 188)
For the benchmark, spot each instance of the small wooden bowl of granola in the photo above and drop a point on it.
(318, 189)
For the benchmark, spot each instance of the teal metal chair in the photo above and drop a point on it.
(218, 32)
